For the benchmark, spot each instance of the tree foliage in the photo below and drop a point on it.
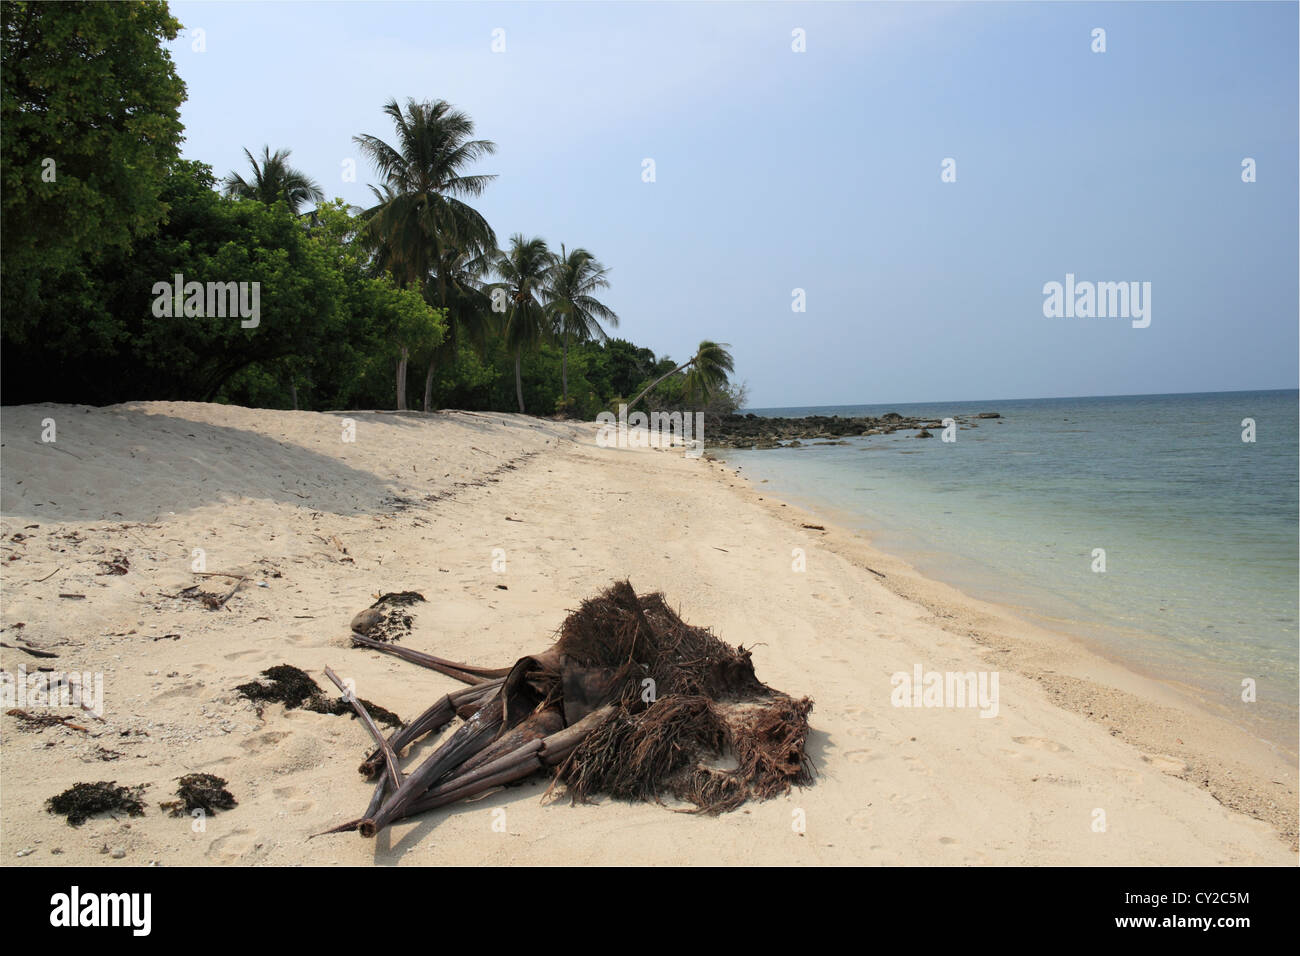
(89, 126)
(108, 232)
(274, 180)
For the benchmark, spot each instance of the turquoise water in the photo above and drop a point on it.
(1199, 528)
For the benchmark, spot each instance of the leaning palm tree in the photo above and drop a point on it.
(420, 217)
(572, 279)
(707, 371)
(274, 179)
(523, 271)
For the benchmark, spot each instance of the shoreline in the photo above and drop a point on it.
(1075, 630)
(1096, 676)
(425, 502)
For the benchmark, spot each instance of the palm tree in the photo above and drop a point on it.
(382, 257)
(709, 367)
(463, 272)
(419, 215)
(274, 179)
(572, 279)
(523, 271)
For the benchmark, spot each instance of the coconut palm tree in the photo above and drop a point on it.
(420, 214)
(570, 282)
(464, 272)
(274, 179)
(523, 270)
(707, 371)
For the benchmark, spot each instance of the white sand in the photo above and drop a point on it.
(266, 493)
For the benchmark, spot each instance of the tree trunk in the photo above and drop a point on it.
(446, 317)
(564, 371)
(652, 385)
(401, 380)
(293, 388)
(519, 382)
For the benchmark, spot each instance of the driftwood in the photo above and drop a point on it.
(390, 758)
(44, 720)
(630, 702)
(216, 603)
(466, 673)
(28, 650)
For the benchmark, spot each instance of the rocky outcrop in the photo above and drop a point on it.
(754, 431)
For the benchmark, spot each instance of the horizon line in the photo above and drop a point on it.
(1037, 398)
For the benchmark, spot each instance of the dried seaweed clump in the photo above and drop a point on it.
(387, 619)
(283, 684)
(339, 706)
(81, 801)
(293, 687)
(201, 791)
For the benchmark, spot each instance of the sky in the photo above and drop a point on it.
(822, 171)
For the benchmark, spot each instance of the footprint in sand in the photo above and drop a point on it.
(1126, 776)
(916, 765)
(860, 819)
(189, 689)
(235, 847)
(971, 857)
(251, 652)
(854, 711)
(861, 756)
(913, 799)
(1041, 743)
(1165, 763)
(293, 801)
(263, 741)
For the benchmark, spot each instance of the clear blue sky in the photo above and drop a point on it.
(821, 170)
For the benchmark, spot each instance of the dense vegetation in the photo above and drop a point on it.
(111, 239)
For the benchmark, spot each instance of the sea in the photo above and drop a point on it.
(1146, 526)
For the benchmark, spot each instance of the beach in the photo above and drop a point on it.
(504, 523)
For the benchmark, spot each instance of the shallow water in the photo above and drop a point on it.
(1198, 527)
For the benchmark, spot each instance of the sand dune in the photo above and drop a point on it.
(320, 525)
